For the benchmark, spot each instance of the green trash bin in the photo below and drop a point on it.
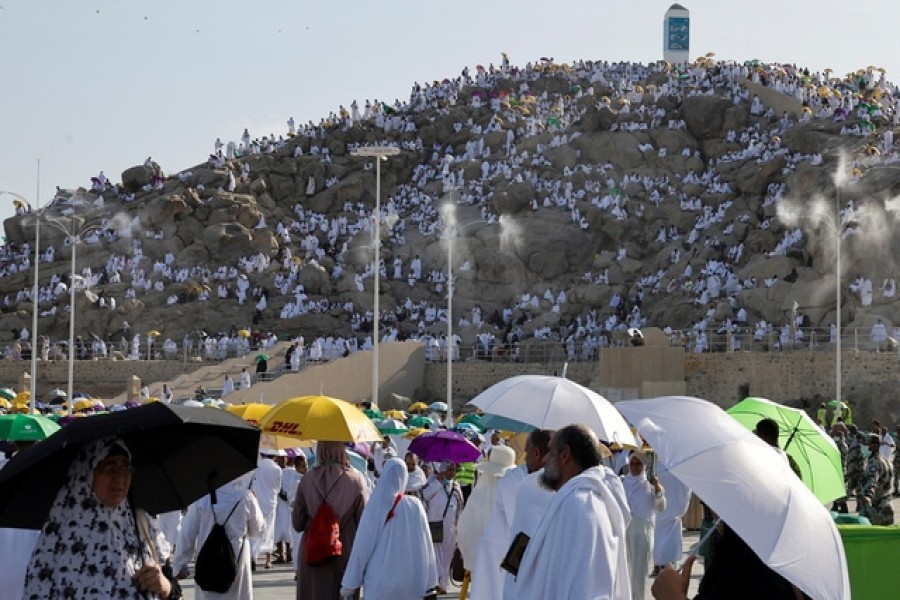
(872, 560)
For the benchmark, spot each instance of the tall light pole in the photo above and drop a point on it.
(35, 291)
(452, 232)
(76, 228)
(380, 153)
(837, 290)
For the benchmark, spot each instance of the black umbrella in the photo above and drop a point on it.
(179, 454)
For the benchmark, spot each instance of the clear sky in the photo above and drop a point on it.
(91, 85)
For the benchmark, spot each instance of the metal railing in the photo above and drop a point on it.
(530, 351)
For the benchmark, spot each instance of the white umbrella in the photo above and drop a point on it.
(552, 403)
(750, 486)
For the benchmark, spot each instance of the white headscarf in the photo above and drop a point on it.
(87, 550)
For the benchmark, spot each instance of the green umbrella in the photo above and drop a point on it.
(25, 428)
(814, 452)
(392, 427)
(423, 422)
(374, 415)
(475, 420)
(8, 394)
(260, 357)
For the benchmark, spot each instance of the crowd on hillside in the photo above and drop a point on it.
(704, 258)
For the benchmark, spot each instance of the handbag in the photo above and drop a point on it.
(437, 527)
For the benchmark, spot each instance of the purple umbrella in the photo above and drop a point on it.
(132, 404)
(444, 445)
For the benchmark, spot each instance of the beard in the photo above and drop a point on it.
(549, 480)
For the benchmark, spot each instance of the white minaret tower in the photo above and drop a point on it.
(677, 35)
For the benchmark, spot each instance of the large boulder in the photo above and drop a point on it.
(704, 116)
(135, 178)
(227, 241)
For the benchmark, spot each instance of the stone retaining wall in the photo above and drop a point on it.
(869, 380)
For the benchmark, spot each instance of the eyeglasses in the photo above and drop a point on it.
(110, 470)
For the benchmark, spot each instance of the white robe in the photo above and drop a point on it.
(16, 546)
(487, 576)
(532, 499)
(667, 539)
(474, 516)
(170, 525)
(284, 530)
(383, 546)
(245, 522)
(440, 506)
(644, 505)
(578, 549)
(266, 485)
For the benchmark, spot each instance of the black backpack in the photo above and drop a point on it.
(216, 567)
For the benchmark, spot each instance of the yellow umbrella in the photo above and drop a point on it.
(252, 413)
(394, 414)
(271, 441)
(710, 54)
(245, 333)
(83, 404)
(4, 403)
(22, 398)
(150, 399)
(414, 433)
(154, 333)
(418, 406)
(320, 418)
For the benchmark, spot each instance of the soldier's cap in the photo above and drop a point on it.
(873, 438)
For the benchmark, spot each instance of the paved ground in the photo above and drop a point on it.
(278, 583)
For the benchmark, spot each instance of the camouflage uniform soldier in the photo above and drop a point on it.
(875, 499)
(897, 463)
(856, 465)
(840, 505)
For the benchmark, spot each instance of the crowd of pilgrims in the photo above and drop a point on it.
(262, 282)
(462, 496)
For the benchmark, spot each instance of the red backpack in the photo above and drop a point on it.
(323, 536)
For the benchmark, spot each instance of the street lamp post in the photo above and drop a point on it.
(452, 232)
(380, 153)
(76, 228)
(837, 290)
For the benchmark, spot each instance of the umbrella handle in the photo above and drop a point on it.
(692, 551)
(143, 524)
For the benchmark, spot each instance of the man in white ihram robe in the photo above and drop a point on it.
(578, 548)
(646, 498)
(284, 530)
(487, 576)
(532, 500)
(667, 537)
(474, 517)
(245, 522)
(266, 485)
(443, 501)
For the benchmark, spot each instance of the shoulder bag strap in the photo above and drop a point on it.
(447, 507)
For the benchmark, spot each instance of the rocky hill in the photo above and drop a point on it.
(585, 199)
